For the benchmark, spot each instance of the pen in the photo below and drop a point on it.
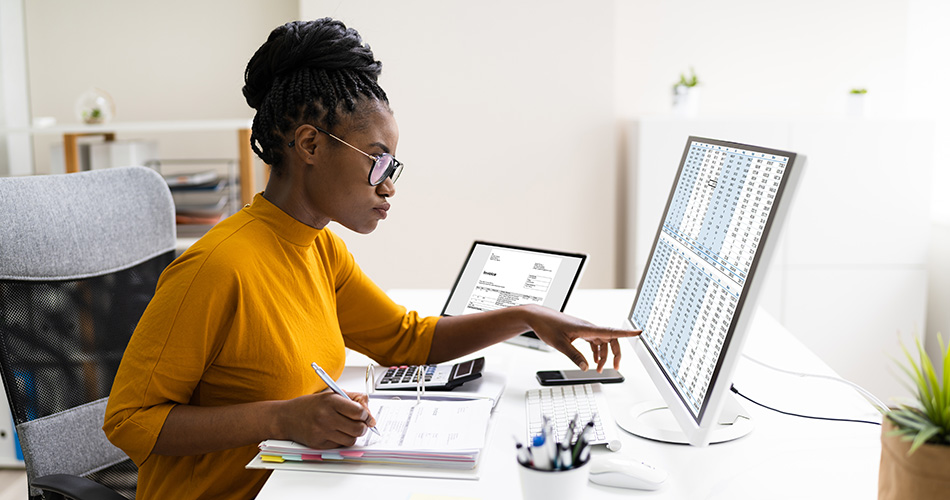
(524, 454)
(578, 446)
(325, 377)
(582, 448)
(569, 433)
(550, 443)
(583, 456)
(542, 461)
(564, 456)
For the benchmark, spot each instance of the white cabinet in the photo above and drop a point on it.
(850, 273)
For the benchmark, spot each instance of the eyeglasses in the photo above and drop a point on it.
(384, 165)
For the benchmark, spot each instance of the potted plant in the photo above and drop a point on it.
(915, 438)
(686, 94)
(95, 106)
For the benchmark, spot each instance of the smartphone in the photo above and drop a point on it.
(568, 377)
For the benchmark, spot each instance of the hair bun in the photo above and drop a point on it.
(323, 44)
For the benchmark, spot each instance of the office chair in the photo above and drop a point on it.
(80, 255)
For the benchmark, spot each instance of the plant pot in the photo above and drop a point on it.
(923, 475)
(857, 104)
(686, 101)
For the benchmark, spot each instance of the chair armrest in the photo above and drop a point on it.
(75, 487)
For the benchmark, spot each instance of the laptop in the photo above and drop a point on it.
(496, 275)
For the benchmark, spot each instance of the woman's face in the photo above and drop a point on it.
(337, 186)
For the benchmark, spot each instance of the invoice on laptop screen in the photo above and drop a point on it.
(496, 276)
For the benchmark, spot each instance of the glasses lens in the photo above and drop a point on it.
(397, 169)
(381, 169)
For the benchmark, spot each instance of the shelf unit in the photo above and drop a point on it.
(108, 131)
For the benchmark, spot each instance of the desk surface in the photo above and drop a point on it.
(783, 457)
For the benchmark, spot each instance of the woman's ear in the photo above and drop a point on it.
(305, 142)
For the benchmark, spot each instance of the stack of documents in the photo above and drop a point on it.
(203, 193)
(447, 434)
(200, 195)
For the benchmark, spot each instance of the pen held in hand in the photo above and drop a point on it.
(325, 377)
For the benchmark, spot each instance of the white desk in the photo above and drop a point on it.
(784, 457)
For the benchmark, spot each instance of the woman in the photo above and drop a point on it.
(221, 357)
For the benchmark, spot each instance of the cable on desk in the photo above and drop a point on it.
(871, 398)
(832, 419)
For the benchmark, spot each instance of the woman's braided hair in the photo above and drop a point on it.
(306, 72)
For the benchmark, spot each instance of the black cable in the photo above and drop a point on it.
(747, 398)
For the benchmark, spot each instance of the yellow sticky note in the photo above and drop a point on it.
(272, 458)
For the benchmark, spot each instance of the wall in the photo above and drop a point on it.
(929, 42)
(938, 293)
(819, 49)
(508, 122)
(16, 156)
(814, 52)
(507, 131)
(169, 60)
(506, 109)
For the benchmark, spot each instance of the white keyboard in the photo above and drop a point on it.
(561, 403)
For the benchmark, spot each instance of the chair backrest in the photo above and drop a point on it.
(80, 255)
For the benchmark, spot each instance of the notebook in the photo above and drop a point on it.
(415, 438)
(495, 276)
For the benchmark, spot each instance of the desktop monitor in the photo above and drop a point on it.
(697, 294)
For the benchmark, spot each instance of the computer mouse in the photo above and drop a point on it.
(626, 472)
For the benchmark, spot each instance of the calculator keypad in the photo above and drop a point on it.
(444, 377)
(405, 375)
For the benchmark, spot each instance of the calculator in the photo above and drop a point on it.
(436, 377)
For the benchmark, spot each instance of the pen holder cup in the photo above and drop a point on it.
(554, 484)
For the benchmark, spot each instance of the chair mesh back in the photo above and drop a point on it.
(61, 341)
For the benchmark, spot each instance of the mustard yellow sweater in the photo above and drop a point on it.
(237, 318)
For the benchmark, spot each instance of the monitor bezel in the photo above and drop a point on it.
(696, 427)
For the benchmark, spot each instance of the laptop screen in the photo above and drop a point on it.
(496, 276)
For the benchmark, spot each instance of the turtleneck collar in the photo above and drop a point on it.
(282, 223)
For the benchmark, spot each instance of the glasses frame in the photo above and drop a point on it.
(393, 170)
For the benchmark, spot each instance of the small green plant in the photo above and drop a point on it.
(686, 81)
(859, 91)
(93, 115)
(926, 420)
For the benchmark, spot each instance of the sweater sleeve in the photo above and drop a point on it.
(371, 322)
(173, 344)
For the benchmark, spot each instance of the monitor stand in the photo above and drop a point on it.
(653, 420)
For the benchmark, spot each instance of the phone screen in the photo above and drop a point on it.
(567, 377)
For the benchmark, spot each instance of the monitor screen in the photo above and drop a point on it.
(706, 252)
